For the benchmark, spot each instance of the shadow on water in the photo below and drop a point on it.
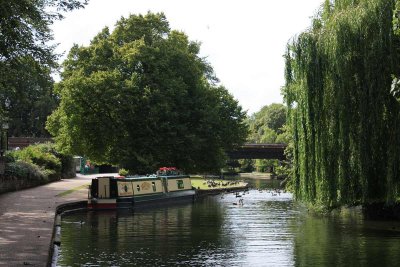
(269, 229)
(346, 239)
(155, 237)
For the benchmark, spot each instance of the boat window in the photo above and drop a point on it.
(153, 184)
(180, 184)
(138, 188)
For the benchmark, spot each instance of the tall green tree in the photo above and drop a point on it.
(267, 124)
(141, 97)
(29, 98)
(26, 61)
(24, 27)
(343, 114)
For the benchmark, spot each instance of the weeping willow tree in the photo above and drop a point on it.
(343, 113)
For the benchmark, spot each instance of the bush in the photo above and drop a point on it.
(25, 170)
(67, 163)
(9, 158)
(51, 164)
(40, 155)
(123, 172)
(51, 175)
(67, 166)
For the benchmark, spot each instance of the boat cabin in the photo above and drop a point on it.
(166, 184)
(110, 187)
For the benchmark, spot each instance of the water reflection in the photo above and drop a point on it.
(346, 239)
(267, 230)
(160, 236)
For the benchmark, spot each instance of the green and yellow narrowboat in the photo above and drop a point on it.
(168, 185)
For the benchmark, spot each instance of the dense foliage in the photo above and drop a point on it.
(27, 92)
(26, 61)
(39, 162)
(141, 97)
(342, 111)
(266, 126)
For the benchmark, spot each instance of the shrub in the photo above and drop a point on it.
(40, 155)
(67, 162)
(51, 175)
(53, 165)
(25, 170)
(123, 172)
(9, 158)
(67, 165)
(36, 164)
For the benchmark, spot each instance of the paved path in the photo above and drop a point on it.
(27, 220)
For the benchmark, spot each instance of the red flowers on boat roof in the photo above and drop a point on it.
(167, 169)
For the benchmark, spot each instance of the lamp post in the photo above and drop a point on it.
(4, 138)
(6, 127)
(3, 145)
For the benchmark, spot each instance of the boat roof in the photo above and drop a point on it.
(150, 177)
(174, 176)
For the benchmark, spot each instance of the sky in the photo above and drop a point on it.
(243, 40)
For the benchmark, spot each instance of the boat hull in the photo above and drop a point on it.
(142, 201)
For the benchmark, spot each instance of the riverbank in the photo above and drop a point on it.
(27, 219)
(217, 186)
(255, 175)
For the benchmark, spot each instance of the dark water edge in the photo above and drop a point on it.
(268, 230)
(382, 211)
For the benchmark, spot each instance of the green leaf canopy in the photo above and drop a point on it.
(344, 117)
(26, 61)
(141, 97)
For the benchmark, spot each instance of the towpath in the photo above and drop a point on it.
(27, 219)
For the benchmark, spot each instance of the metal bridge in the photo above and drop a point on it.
(258, 151)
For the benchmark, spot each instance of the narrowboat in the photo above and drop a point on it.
(168, 185)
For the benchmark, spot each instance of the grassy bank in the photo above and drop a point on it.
(210, 184)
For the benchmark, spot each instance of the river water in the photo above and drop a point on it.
(269, 229)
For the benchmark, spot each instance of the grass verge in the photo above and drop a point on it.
(73, 190)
